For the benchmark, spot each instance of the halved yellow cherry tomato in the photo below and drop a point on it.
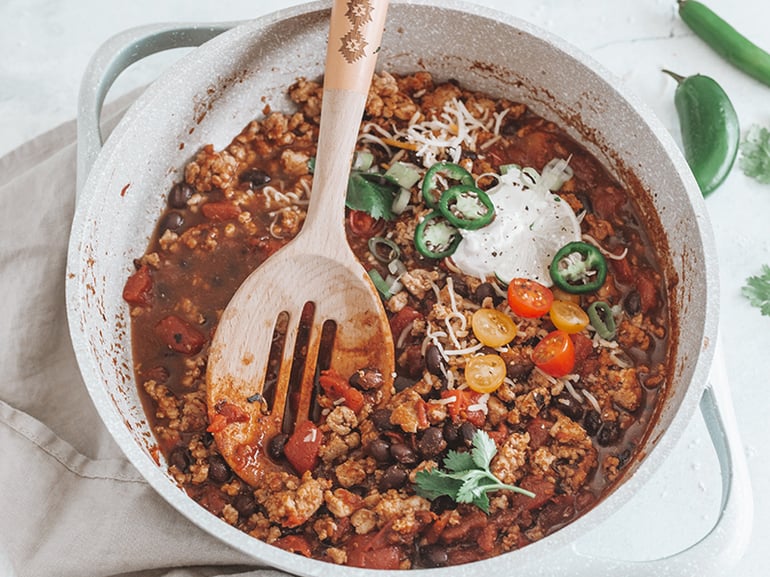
(568, 316)
(528, 298)
(485, 373)
(555, 354)
(493, 328)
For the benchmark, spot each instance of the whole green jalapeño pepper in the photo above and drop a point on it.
(710, 129)
(726, 40)
(578, 268)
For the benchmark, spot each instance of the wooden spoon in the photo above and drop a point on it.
(316, 267)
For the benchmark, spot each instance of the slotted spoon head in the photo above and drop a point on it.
(317, 267)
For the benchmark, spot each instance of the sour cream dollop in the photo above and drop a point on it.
(531, 224)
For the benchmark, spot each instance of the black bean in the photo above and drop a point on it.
(180, 193)
(567, 404)
(219, 471)
(366, 379)
(434, 362)
(173, 221)
(592, 423)
(434, 556)
(180, 458)
(442, 503)
(401, 383)
(255, 177)
(518, 371)
(460, 286)
(276, 446)
(633, 303)
(467, 430)
(608, 434)
(510, 127)
(623, 458)
(452, 434)
(485, 290)
(379, 449)
(403, 453)
(245, 504)
(394, 477)
(381, 419)
(432, 442)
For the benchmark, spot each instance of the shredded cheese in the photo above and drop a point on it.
(593, 401)
(454, 129)
(466, 351)
(604, 251)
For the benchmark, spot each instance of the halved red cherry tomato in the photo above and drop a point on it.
(485, 373)
(555, 354)
(493, 328)
(528, 298)
(568, 316)
(363, 224)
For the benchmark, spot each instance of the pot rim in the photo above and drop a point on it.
(657, 451)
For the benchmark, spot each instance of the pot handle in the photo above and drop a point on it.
(110, 60)
(721, 549)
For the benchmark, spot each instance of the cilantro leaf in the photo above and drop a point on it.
(371, 193)
(755, 154)
(470, 479)
(483, 450)
(434, 483)
(456, 461)
(757, 290)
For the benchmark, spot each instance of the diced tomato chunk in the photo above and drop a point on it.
(138, 288)
(338, 388)
(220, 210)
(294, 544)
(608, 201)
(226, 413)
(459, 408)
(180, 336)
(648, 293)
(371, 552)
(301, 449)
(622, 269)
(402, 319)
(542, 488)
(583, 347)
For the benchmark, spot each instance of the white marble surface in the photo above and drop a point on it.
(45, 45)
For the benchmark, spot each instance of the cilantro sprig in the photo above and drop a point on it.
(757, 290)
(372, 193)
(755, 154)
(467, 478)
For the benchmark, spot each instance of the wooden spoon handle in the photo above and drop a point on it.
(355, 33)
(354, 39)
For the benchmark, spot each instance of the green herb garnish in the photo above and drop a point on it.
(372, 193)
(467, 478)
(755, 154)
(757, 290)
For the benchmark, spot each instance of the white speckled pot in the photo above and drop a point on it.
(214, 91)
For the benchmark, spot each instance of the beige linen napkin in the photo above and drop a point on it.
(70, 503)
